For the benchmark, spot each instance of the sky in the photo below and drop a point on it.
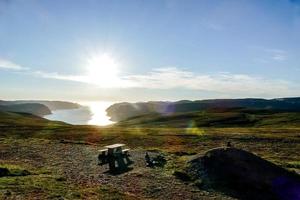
(126, 50)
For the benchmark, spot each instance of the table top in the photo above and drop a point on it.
(113, 146)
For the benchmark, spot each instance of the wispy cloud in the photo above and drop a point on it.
(7, 64)
(277, 54)
(55, 75)
(116, 83)
(269, 55)
(174, 78)
(169, 78)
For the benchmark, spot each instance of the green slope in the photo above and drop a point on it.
(123, 111)
(218, 118)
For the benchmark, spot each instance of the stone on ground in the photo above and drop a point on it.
(244, 175)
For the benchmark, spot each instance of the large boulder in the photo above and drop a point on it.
(244, 175)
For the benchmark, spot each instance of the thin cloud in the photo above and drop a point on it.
(55, 75)
(119, 83)
(7, 64)
(270, 55)
(277, 54)
(174, 78)
(170, 78)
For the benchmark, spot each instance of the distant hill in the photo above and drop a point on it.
(123, 111)
(52, 105)
(32, 108)
(11, 119)
(39, 108)
(222, 118)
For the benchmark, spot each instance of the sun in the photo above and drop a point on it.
(103, 70)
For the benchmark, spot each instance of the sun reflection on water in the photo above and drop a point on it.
(98, 111)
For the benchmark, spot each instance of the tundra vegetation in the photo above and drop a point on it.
(55, 160)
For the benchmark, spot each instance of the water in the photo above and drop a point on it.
(92, 113)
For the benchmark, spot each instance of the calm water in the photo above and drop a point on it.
(92, 113)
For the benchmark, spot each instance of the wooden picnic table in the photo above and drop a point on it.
(114, 148)
(114, 153)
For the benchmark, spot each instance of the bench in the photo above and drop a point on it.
(125, 151)
(102, 151)
(113, 154)
(102, 156)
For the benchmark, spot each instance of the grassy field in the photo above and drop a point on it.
(62, 159)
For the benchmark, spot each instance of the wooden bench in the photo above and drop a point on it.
(125, 151)
(114, 154)
(102, 151)
(102, 156)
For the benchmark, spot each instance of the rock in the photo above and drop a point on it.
(244, 175)
(4, 172)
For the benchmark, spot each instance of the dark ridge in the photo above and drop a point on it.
(32, 108)
(123, 111)
(52, 105)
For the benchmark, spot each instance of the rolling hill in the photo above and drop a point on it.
(233, 117)
(52, 105)
(36, 107)
(12, 119)
(33, 108)
(123, 111)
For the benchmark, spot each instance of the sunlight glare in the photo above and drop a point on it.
(99, 115)
(103, 70)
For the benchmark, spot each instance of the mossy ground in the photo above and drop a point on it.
(62, 159)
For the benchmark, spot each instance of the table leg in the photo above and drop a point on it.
(121, 163)
(111, 163)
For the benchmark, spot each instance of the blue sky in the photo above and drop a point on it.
(87, 50)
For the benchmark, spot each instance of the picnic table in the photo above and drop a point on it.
(113, 154)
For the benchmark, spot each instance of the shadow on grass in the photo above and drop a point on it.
(118, 171)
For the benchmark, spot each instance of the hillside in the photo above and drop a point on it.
(52, 105)
(123, 111)
(39, 108)
(32, 108)
(237, 117)
(11, 119)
